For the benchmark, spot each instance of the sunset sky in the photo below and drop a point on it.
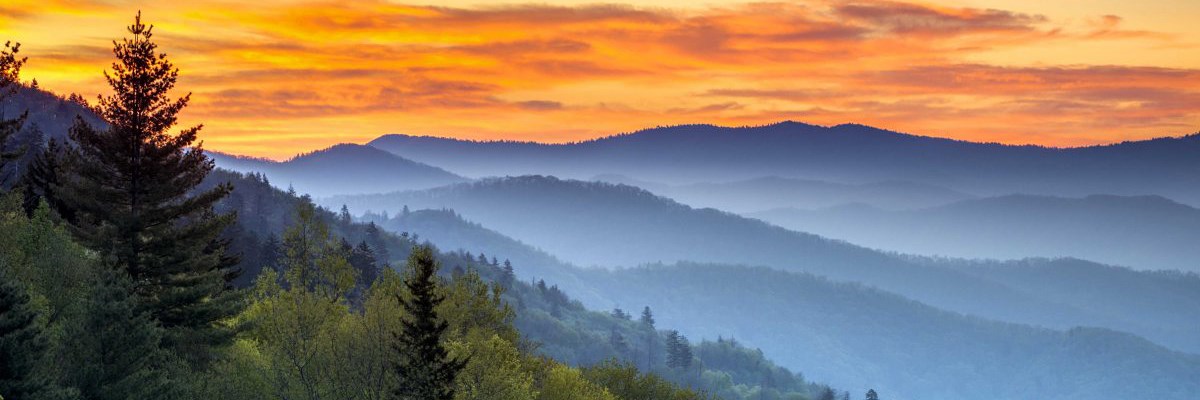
(280, 77)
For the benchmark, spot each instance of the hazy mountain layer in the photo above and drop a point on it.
(859, 337)
(590, 223)
(773, 192)
(343, 169)
(843, 153)
(1141, 232)
(855, 337)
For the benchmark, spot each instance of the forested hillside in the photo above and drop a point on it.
(126, 273)
(836, 330)
(856, 336)
(545, 315)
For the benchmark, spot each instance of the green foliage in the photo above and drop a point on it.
(113, 352)
(496, 369)
(565, 383)
(23, 347)
(127, 195)
(624, 381)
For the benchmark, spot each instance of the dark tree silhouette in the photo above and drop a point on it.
(42, 179)
(23, 347)
(363, 260)
(508, 275)
(128, 192)
(647, 317)
(871, 395)
(10, 71)
(424, 367)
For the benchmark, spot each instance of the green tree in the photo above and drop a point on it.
(113, 352)
(424, 366)
(496, 370)
(128, 191)
(23, 347)
(871, 395)
(679, 350)
(300, 310)
(565, 383)
(10, 72)
(43, 177)
(624, 381)
(363, 260)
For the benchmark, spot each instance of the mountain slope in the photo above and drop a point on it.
(771, 192)
(857, 337)
(590, 223)
(343, 169)
(843, 153)
(860, 337)
(1145, 232)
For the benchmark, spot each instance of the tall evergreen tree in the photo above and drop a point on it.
(670, 344)
(42, 178)
(363, 260)
(508, 275)
(647, 321)
(271, 249)
(424, 367)
(10, 72)
(647, 318)
(23, 347)
(128, 191)
(375, 239)
(679, 351)
(871, 395)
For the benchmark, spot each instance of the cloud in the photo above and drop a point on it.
(911, 18)
(539, 105)
(1108, 27)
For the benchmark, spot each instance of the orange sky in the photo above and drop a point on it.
(281, 76)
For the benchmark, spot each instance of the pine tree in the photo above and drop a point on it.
(23, 346)
(271, 251)
(672, 345)
(363, 260)
(424, 367)
(508, 276)
(647, 321)
(827, 394)
(683, 353)
(871, 395)
(647, 318)
(344, 216)
(114, 352)
(10, 71)
(128, 192)
(375, 239)
(42, 179)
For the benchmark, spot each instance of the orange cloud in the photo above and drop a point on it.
(277, 78)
